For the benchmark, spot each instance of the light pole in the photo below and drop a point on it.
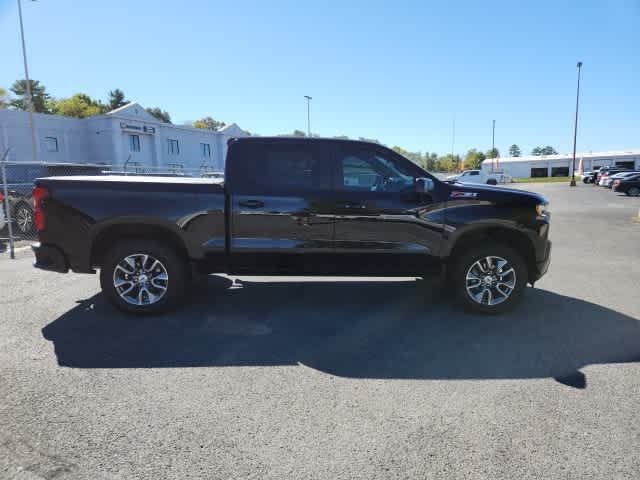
(34, 150)
(453, 138)
(575, 131)
(493, 145)
(308, 116)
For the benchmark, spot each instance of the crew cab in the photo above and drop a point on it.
(289, 206)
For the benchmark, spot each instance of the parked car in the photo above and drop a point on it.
(629, 185)
(600, 173)
(603, 178)
(479, 176)
(608, 180)
(295, 207)
(589, 177)
(21, 212)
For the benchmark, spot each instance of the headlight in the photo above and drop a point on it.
(542, 209)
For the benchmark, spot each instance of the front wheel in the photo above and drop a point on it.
(633, 191)
(489, 279)
(144, 277)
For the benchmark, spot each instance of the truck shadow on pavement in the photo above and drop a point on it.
(359, 329)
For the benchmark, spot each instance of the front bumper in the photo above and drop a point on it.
(543, 265)
(50, 258)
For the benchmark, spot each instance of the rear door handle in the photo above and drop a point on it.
(252, 204)
(353, 205)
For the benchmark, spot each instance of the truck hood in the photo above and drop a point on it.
(495, 192)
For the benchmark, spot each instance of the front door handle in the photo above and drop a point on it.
(252, 204)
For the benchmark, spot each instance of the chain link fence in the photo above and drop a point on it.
(17, 227)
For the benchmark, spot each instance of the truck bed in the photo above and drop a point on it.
(83, 211)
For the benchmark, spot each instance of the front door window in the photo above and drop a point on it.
(371, 171)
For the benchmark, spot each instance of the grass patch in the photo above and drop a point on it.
(544, 180)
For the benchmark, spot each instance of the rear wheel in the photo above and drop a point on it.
(492, 181)
(633, 191)
(144, 277)
(489, 279)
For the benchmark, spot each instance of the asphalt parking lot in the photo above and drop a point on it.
(305, 378)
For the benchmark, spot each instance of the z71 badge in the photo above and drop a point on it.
(456, 194)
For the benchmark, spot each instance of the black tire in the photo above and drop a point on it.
(23, 218)
(463, 264)
(633, 191)
(492, 181)
(174, 266)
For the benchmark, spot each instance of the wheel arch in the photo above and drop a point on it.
(111, 234)
(511, 237)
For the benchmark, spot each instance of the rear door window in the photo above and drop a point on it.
(279, 168)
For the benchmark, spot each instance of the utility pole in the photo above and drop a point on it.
(308, 115)
(575, 131)
(34, 149)
(493, 144)
(453, 137)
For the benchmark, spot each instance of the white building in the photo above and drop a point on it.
(560, 165)
(128, 136)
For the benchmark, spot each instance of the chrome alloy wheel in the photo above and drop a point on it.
(490, 280)
(140, 279)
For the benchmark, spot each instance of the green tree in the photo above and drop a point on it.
(492, 153)
(298, 133)
(116, 99)
(449, 163)
(548, 150)
(41, 99)
(79, 105)
(431, 161)
(160, 114)
(209, 123)
(5, 101)
(473, 159)
(514, 150)
(415, 157)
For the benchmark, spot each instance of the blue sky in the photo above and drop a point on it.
(397, 71)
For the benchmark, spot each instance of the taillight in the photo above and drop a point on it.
(39, 195)
(1, 197)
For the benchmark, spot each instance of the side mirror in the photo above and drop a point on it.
(424, 185)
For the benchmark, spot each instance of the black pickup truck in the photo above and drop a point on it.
(289, 206)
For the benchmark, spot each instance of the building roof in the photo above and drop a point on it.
(133, 110)
(232, 129)
(567, 156)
